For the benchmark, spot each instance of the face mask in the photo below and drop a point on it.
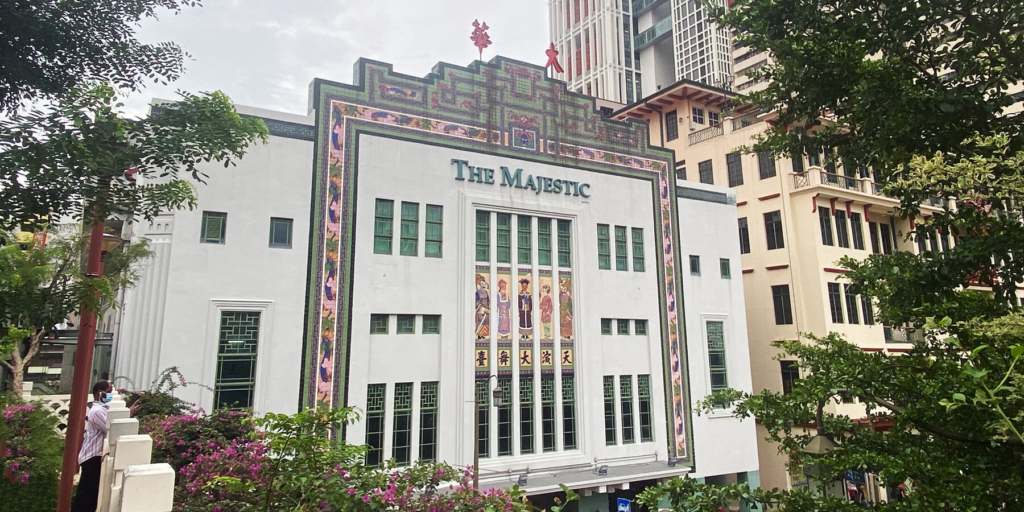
(107, 398)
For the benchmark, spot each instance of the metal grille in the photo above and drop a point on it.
(236, 358)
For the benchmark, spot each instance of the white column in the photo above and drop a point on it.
(147, 488)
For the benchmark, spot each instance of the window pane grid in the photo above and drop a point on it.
(525, 246)
(842, 235)
(568, 412)
(483, 417)
(237, 345)
(626, 405)
(744, 236)
(734, 168)
(375, 396)
(483, 236)
(406, 324)
(640, 327)
(604, 247)
(410, 229)
(428, 421)
(725, 269)
(783, 307)
(706, 173)
(773, 230)
(851, 304)
(835, 302)
(434, 231)
(638, 250)
(716, 356)
(280, 233)
(543, 241)
(526, 413)
(547, 409)
(766, 164)
(621, 259)
(694, 265)
(431, 324)
(643, 383)
(382, 226)
(622, 326)
(213, 227)
(609, 411)
(505, 418)
(401, 437)
(857, 231)
(825, 224)
(504, 238)
(564, 242)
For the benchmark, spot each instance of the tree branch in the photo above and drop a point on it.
(936, 429)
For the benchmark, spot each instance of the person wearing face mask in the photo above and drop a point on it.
(90, 456)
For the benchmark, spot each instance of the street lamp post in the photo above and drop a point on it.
(497, 394)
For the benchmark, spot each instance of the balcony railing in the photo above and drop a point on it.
(819, 176)
(659, 31)
(706, 134)
(742, 122)
(642, 6)
(902, 335)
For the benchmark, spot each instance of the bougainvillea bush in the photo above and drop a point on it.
(178, 440)
(31, 457)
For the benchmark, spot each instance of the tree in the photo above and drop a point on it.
(49, 47)
(41, 286)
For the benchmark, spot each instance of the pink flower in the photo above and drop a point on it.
(366, 499)
(351, 490)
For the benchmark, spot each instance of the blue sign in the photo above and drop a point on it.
(623, 505)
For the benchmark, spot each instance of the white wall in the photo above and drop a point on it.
(723, 444)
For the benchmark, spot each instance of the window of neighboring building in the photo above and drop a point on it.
(643, 383)
(604, 247)
(790, 374)
(568, 412)
(825, 223)
(698, 115)
(428, 421)
(773, 230)
(483, 236)
(705, 172)
(610, 437)
(851, 304)
(873, 233)
(238, 340)
(835, 303)
(814, 159)
(714, 118)
(744, 236)
(383, 224)
(830, 161)
(944, 239)
(886, 236)
(280, 233)
(638, 250)
(543, 241)
(868, 309)
(716, 356)
(766, 164)
(783, 307)
(564, 242)
(410, 231)
(640, 327)
(622, 326)
(214, 228)
(694, 265)
(671, 126)
(798, 164)
(606, 326)
(435, 230)
(504, 238)
(526, 413)
(378, 324)
(723, 265)
(375, 397)
(621, 258)
(525, 245)
(842, 233)
(734, 167)
(626, 408)
(431, 324)
(856, 231)
(401, 434)
(406, 324)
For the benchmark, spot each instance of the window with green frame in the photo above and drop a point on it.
(406, 324)
(375, 396)
(431, 324)
(606, 326)
(383, 224)
(378, 324)
(504, 238)
(564, 243)
(604, 247)
(428, 421)
(483, 414)
(409, 245)
(526, 413)
(643, 384)
(524, 246)
(505, 428)
(543, 241)
(621, 258)
(640, 327)
(547, 412)
(434, 234)
(626, 408)
(483, 236)
(622, 326)
(638, 249)
(724, 268)
(716, 356)
(568, 412)
(280, 233)
(401, 434)
(609, 411)
(214, 227)
(237, 345)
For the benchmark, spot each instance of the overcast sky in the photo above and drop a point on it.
(264, 53)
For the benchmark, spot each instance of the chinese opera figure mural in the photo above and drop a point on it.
(547, 307)
(565, 305)
(483, 304)
(525, 306)
(504, 301)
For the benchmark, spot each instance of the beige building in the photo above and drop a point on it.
(797, 218)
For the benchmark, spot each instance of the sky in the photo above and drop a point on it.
(264, 53)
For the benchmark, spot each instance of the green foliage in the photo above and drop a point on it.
(28, 433)
(687, 495)
(159, 399)
(83, 153)
(179, 440)
(51, 46)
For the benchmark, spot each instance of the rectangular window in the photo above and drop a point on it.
(431, 324)
(783, 307)
(622, 327)
(868, 309)
(483, 417)
(643, 383)
(790, 374)
(873, 233)
(835, 303)
(621, 258)
(638, 250)
(378, 324)
(921, 249)
(568, 412)
(886, 235)
(609, 411)
(705, 172)
(734, 167)
(564, 242)
(723, 265)
(526, 413)
(401, 437)
(525, 246)
(698, 115)
(410, 234)
(280, 233)
(406, 324)
(814, 159)
(944, 239)
(671, 126)
(744, 236)
(435, 230)
(694, 265)
(604, 247)
(214, 228)
(798, 164)
(716, 356)
(825, 223)
(483, 236)
(383, 224)
(606, 326)
(773, 230)
(857, 231)
(238, 339)
(505, 417)
(626, 408)
(504, 238)
(842, 232)
(543, 241)
(851, 304)
(375, 396)
(714, 118)
(766, 164)
(547, 411)
(640, 327)
(428, 421)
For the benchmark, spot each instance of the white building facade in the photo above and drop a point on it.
(479, 228)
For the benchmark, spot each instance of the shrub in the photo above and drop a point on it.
(31, 457)
(178, 440)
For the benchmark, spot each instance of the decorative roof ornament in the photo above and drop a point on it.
(552, 54)
(479, 37)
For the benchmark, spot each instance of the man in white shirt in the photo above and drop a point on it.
(91, 454)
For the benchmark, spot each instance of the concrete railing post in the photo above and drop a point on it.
(26, 391)
(118, 424)
(132, 450)
(147, 488)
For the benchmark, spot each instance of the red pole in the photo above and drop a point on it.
(83, 371)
